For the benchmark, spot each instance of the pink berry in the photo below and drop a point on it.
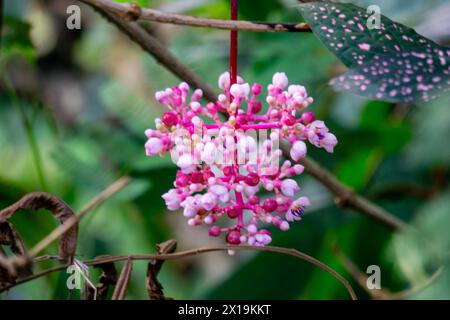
(228, 171)
(256, 89)
(270, 205)
(252, 179)
(197, 177)
(253, 200)
(234, 237)
(170, 119)
(289, 120)
(256, 106)
(307, 117)
(215, 231)
(182, 180)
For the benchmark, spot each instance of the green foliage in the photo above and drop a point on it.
(16, 40)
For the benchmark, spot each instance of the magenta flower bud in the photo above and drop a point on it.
(214, 231)
(252, 179)
(253, 200)
(256, 106)
(170, 119)
(270, 205)
(289, 120)
(241, 119)
(182, 180)
(257, 89)
(197, 177)
(307, 117)
(228, 171)
(234, 237)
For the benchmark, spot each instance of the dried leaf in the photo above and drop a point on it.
(124, 279)
(107, 278)
(154, 287)
(11, 269)
(60, 210)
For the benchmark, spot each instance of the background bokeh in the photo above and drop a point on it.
(74, 105)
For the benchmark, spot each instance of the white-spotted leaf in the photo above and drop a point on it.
(411, 76)
(342, 27)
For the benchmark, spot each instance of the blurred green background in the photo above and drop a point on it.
(74, 105)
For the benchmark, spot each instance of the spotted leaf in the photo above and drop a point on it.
(410, 76)
(344, 29)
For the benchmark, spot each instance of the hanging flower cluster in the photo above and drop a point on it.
(228, 150)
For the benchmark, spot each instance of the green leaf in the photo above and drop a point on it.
(16, 39)
(357, 169)
(417, 75)
(422, 248)
(342, 27)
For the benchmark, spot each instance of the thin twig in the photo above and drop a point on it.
(192, 252)
(63, 228)
(381, 294)
(131, 11)
(345, 197)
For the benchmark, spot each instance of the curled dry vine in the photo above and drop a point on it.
(65, 231)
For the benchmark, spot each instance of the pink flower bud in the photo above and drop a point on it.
(289, 120)
(153, 146)
(214, 231)
(284, 226)
(307, 117)
(280, 80)
(298, 150)
(234, 237)
(289, 187)
(256, 89)
(240, 90)
(170, 119)
(270, 205)
(252, 179)
(182, 180)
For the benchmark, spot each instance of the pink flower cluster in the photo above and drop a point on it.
(222, 167)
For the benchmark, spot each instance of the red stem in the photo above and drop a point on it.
(233, 43)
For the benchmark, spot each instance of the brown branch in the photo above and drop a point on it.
(345, 197)
(133, 12)
(73, 221)
(291, 252)
(380, 294)
(153, 46)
